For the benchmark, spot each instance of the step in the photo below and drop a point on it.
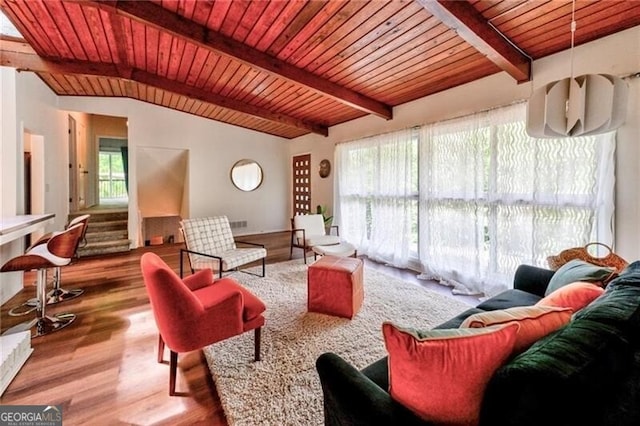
(118, 234)
(111, 225)
(102, 217)
(104, 247)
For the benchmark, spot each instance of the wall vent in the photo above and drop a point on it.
(238, 224)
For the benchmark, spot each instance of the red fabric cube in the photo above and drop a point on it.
(334, 286)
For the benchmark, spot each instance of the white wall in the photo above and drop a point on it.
(618, 54)
(34, 114)
(38, 113)
(213, 149)
(161, 171)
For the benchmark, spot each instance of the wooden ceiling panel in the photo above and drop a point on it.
(96, 20)
(297, 15)
(387, 22)
(136, 37)
(217, 14)
(468, 62)
(68, 26)
(289, 68)
(588, 27)
(22, 18)
(365, 20)
(544, 28)
(223, 76)
(398, 30)
(419, 44)
(167, 48)
(151, 47)
(421, 57)
(301, 28)
(49, 29)
(234, 17)
(462, 72)
(492, 9)
(317, 38)
(248, 20)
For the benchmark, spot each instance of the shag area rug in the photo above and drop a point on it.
(283, 388)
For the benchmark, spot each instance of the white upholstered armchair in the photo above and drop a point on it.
(308, 231)
(210, 244)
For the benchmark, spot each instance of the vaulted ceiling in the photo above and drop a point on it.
(290, 68)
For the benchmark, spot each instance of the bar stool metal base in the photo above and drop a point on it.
(24, 309)
(54, 296)
(58, 295)
(42, 326)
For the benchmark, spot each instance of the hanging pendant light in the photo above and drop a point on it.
(577, 106)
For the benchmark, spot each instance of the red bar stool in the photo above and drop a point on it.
(57, 293)
(58, 251)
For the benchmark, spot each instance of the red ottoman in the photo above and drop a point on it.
(334, 286)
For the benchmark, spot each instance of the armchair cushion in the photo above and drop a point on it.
(230, 259)
(321, 240)
(313, 224)
(199, 279)
(210, 235)
(251, 305)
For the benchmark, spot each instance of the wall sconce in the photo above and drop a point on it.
(577, 106)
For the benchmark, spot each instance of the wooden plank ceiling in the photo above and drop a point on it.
(290, 68)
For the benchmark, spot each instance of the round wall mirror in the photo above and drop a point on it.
(246, 175)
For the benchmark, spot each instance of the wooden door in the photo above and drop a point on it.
(301, 184)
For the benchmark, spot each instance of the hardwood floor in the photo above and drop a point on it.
(102, 369)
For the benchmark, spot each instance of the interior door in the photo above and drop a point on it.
(73, 181)
(301, 166)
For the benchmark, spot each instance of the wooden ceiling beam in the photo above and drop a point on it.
(17, 53)
(469, 24)
(156, 16)
(163, 83)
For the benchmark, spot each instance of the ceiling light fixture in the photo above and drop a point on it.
(577, 106)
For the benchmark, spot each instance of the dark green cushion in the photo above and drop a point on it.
(577, 270)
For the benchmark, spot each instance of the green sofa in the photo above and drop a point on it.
(586, 373)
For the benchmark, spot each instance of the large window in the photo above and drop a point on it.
(378, 195)
(490, 197)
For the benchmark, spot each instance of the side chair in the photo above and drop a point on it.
(211, 245)
(197, 311)
(307, 231)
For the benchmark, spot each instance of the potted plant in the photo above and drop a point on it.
(323, 211)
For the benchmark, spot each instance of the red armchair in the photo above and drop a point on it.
(196, 311)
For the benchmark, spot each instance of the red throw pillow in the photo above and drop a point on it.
(535, 322)
(441, 375)
(576, 296)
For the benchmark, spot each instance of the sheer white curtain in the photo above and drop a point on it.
(492, 198)
(376, 193)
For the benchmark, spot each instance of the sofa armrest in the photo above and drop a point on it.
(532, 279)
(351, 398)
